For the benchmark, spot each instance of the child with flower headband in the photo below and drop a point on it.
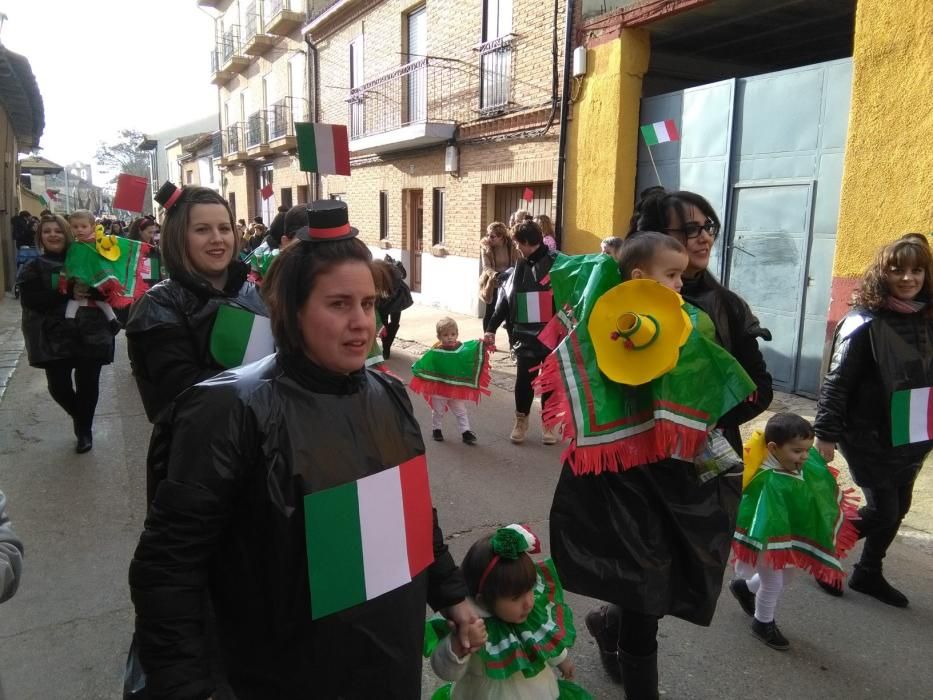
(528, 628)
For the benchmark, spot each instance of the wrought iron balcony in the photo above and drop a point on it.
(227, 59)
(257, 136)
(495, 69)
(282, 117)
(255, 41)
(234, 145)
(417, 104)
(281, 19)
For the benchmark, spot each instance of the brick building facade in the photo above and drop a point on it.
(452, 109)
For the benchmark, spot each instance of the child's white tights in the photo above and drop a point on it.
(766, 583)
(458, 407)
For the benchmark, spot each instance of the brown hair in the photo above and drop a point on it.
(138, 226)
(62, 224)
(82, 214)
(498, 227)
(446, 324)
(641, 247)
(544, 222)
(527, 232)
(292, 277)
(873, 292)
(173, 241)
(507, 579)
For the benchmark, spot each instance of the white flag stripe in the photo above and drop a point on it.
(919, 400)
(324, 145)
(660, 130)
(260, 341)
(382, 530)
(534, 307)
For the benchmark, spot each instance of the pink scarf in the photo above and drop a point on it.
(904, 307)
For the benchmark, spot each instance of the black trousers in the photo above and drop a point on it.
(75, 386)
(881, 516)
(526, 369)
(392, 322)
(638, 632)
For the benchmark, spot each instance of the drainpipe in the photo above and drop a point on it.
(313, 88)
(564, 115)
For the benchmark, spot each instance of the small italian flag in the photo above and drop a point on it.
(368, 537)
(911, 416)
(323, 148)
(660, 132)
(240, 337)
(534, 307)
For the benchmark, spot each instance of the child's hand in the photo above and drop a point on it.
(567, 669)
(475, 633)
(826, 449)
(489, 339)
(81, 291)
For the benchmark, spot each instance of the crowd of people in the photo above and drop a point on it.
(291, 546)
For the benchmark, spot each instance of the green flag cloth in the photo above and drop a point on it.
(375, 357)
(261, 260)
(239, 337)
(116, 279)
(612, 426)
(796, 519)
(462, 373)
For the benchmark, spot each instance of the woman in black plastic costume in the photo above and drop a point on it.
(655, 541)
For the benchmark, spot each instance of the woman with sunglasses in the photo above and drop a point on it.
(666, 572)
(497, 255)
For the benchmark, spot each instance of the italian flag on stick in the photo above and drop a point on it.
(660, 132)
(240, 337)
(534, 307)
(368, 537)
(323, 148)
(911, 416)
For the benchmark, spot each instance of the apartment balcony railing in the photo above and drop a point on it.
(255, 41)
(227, 59)
(417, 104)
(282, 117)
(257, 134)
(234, 145)
(282, 17)
(495, 69)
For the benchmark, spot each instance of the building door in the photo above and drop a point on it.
(417, 102)
(767, 152)
(415, 237)
(266, 208)
(511, 198)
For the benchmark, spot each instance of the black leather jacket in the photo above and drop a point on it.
(243, 451)
(738, 331)
(169, 329)
(527, 276)
(854, 405)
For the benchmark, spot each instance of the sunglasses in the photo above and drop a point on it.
(692, 229)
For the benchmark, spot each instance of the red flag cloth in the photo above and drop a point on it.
(131, 192)
(528, 194)
(266, 191)
(53, 195)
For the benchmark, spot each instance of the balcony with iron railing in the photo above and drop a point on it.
(257, 133)
(256, 41)
(281, 19)
(234, 143)
(495, 75)
(230, 57)
(282, 117)
(417, 104)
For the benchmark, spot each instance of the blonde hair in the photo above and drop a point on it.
(544, 222)
(446, 324)
(83, 214)
(62, 224)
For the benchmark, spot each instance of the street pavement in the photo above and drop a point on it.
(65, 634)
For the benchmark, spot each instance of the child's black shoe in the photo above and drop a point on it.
(438, 435)
(469, 437)
(769, 633)
(739, 588)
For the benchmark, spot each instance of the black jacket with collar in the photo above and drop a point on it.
(528, 275)
(243, 451)
(169, 330)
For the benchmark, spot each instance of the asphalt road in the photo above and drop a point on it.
(65, 634)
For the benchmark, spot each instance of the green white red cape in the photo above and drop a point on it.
(462, 373)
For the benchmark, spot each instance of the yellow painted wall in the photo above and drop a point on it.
(602, 145)
(887, 186)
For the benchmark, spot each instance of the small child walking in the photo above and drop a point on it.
(792, 515)
(528, 628)
(449, 375)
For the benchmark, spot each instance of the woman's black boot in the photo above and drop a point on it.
(639, 676)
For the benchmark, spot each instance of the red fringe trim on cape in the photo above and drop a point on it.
(846, 539)
(618, 455)
(429, 388)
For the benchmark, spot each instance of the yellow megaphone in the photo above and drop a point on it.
(107, 245)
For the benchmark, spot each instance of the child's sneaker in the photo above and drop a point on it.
(746, 598)
(769, 633)
(469, 437)
(437, 435)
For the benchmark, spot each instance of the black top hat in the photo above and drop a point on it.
(328, 220)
